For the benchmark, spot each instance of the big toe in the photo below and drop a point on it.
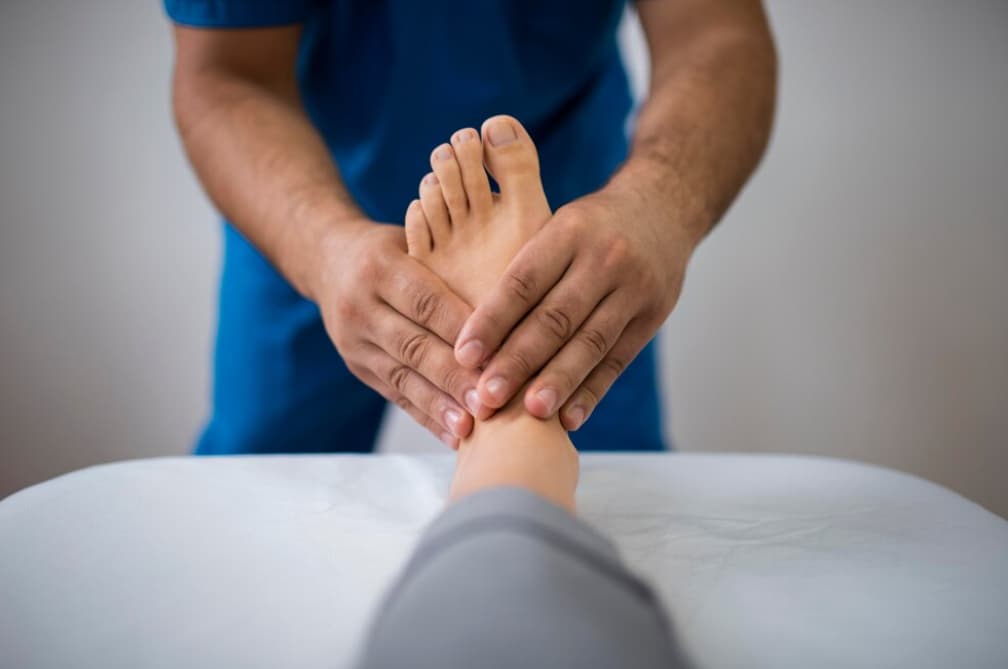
(512, 159)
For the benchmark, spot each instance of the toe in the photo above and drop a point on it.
(512, 159)
(469, 155)
(434, 209)
(446, 168)
(418, 235)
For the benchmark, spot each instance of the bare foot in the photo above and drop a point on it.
(468, 235)
(460, 229)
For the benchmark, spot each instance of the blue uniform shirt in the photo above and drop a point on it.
(385, 81)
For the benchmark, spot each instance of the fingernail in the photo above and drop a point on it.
(472, 401)
(575, 417)
(548, 397)
(444, 153)
(500, 133)
(453, 417)
(471, 353)
(449, 439)
(497, 387)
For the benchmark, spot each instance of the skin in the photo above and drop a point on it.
(579, 300)
(467, 236)
(267, 169)
(588, 292)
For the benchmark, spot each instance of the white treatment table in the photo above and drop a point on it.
(763, 561)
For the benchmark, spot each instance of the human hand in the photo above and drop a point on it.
(577, 304)
(391, 318)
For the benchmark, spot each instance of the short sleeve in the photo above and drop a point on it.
(237, 13)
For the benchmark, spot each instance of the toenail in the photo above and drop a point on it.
(472, 401)
(430, 179)
(444, 153)
(497, 386)
(464, 136)
(471, 354)
(500, 133)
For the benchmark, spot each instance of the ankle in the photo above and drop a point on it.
(517, 449)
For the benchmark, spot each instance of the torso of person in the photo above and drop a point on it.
(385, 81)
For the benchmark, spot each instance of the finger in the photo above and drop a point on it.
(529, 276)
(543, 332)
(414, 412)
(423, 297)
(421, 351)
(406, 383)
(584, 400)
(587, 348)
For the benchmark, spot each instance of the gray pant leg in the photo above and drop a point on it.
(504, 578)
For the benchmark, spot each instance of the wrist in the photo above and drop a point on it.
(324, 251)
(655, 199)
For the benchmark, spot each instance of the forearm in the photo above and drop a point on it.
(707, 118)
(265, 167)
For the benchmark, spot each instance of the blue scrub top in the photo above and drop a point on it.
(385, 81)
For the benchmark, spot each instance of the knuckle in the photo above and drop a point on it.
(518, 363)
(521, 286)
(398, 378)
(455, 200)
(615, 250)
(424, 305)
(594, 341)
(368, 266)
(348, 341)
(571, 222)
(452, 381)
(555, 321)
(492, 321)
(613, 365)
(648, 279)
(563, 381)
(413, 349)
(346, 309)
(382, 389)
(654, 312)
(427, 422)
(651, 301)
(589, 397)
(418, 414)
(355, 368)
(361, 375)
(430, 425)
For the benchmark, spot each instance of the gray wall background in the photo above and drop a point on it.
(852, 304)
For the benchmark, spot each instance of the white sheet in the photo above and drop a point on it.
(277, 561)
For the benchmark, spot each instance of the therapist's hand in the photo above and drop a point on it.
(578, 303)
(391, 318)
